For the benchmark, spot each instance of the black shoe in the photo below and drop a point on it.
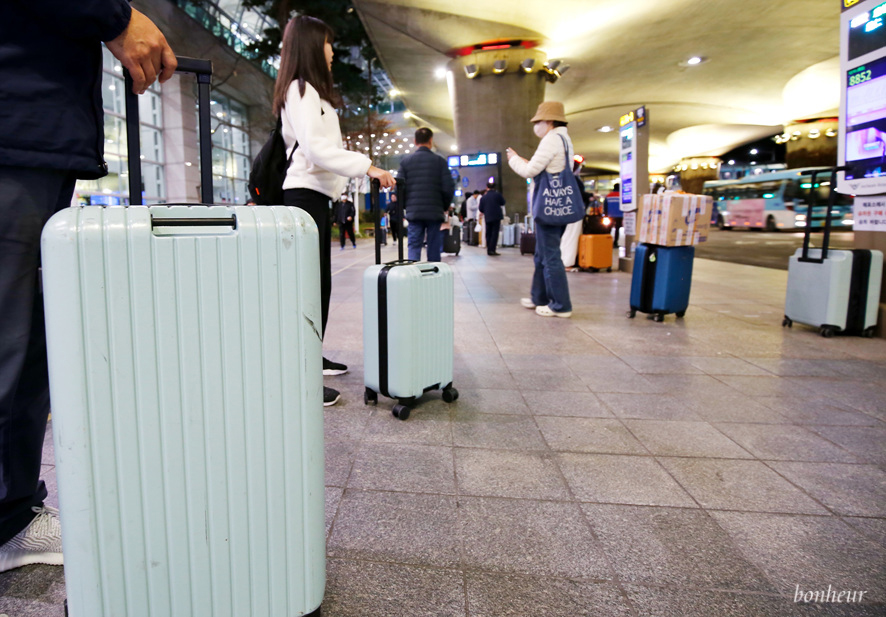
(330, 396)
(333, 368)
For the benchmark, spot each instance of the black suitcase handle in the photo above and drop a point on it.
(203, 70)
(810, 209)
(374, 188)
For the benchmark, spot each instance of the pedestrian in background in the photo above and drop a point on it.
(305, 99)
(345, 212)
(550, 289)
(428, 193)
(394, 222)
(50, 135)
(612, 209)
(491, 204)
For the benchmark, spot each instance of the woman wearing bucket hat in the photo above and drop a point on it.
(550, 289)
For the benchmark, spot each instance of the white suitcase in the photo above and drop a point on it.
(507, 235)
(838, 294)
(408, 329)
(186, 383)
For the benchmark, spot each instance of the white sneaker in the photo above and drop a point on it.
(545, 311)
(39, 542)
(527, 303)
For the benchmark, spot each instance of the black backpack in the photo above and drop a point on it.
(269, 169)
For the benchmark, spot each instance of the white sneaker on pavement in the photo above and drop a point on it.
(545, 311)
(39, 542)
(527, 303)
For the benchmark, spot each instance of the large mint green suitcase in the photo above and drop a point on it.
(408, 329)
(186, 384)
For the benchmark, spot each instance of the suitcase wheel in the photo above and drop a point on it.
(370, 397)
(609, 269)
(680, 314)
(450, 395)
(66, 607)
(787, 321)
(632, 313)
(401, 412)
(828, 331)
(659, 317)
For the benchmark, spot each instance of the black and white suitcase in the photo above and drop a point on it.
(408, 328)
(836, 291)
(186, 383)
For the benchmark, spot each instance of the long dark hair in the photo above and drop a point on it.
(302, 57)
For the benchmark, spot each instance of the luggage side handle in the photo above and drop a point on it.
(230, 221)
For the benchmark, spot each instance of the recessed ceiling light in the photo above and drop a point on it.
(693, 61)
(605, 129)
(440, 73)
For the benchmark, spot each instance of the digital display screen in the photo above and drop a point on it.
(466, 160)
(867, 31)
(866, 120)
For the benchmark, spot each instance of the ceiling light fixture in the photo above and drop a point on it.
(471, 71)
(605, 129)
(440, 73)
(527, 65)
(499, 67)
(693, 61)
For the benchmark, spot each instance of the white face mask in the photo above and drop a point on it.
(541, 129)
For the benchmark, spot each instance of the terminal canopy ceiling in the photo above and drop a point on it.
(765, 63)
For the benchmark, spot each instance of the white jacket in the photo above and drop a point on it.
(473, 207)
(321, 162)
(549, 156)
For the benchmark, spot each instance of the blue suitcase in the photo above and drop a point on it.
(661, 280)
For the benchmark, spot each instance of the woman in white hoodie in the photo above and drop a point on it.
(305, 98)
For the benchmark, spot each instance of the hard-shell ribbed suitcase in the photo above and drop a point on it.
(408, 329)
(835, 291)
(186, 383)
(661, 280)
(595, 252)
(507, 235)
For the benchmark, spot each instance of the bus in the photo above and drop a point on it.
(777, 201)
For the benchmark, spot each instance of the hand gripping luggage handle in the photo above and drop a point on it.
(203, 70)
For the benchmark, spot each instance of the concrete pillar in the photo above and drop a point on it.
(492, 112)
(811, 144)
(694, 172)
(180, 141)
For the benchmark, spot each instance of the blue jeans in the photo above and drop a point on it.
(549, 285)
(417, 231)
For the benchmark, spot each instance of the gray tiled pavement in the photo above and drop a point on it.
(598, 466)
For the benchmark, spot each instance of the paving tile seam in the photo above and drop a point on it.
(597, 543)
(769, 465)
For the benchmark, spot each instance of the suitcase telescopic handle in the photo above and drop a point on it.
(810, 208)
(203, 70)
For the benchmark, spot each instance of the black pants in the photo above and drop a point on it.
(616, 225)
(318, 206)
(28, 197)
(394, 226)
(492, 228)
(344, 229)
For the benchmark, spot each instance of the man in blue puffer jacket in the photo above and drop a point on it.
(51, 133)
(429, 191)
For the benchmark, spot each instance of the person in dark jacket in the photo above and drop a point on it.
(612, 209)
(429, 190)
(491, 205)
(51, 125)
(345, 212)
(394, 222)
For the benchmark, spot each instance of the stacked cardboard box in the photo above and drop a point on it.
(675, 219)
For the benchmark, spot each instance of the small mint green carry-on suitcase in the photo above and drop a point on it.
(186, 383)
(408, 327)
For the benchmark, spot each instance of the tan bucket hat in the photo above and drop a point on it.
(550, 110)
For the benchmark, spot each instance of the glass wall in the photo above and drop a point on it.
(114, 188)
(230, 150)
